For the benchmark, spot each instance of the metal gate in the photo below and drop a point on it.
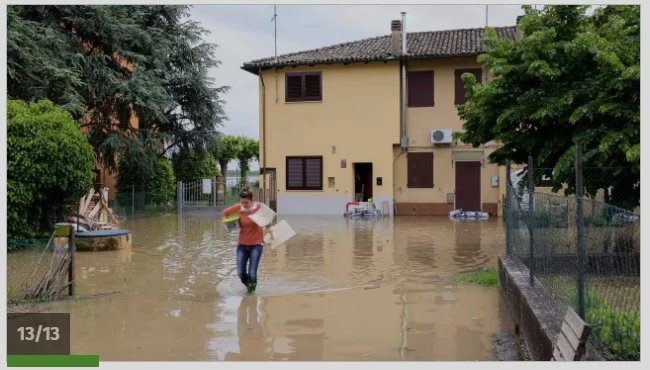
(202, 193)
(214, 193)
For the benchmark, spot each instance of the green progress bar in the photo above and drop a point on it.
(52, 361)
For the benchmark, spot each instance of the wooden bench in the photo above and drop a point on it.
(570, 343)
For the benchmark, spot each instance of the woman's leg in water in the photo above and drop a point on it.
(243, 255)
(255, 257)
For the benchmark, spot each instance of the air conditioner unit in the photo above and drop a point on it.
(441, 136)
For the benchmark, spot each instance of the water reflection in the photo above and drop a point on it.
(340, 290)
(469, 252)
(249, 332)
(363, 245)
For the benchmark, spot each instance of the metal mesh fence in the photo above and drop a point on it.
(37, 269)
(584, 255)
(132, 204)
(22, 259)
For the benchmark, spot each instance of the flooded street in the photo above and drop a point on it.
(340, 290)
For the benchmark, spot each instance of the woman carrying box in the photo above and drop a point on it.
(251, 238)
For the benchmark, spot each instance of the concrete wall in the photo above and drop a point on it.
(537, 319)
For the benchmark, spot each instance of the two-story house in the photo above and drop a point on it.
(375, 116)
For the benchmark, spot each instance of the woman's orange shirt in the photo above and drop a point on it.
(250, 233)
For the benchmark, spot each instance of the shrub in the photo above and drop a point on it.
(162, 186)
(618, 331)
(49, 165)
(544, 218)
(596, 220)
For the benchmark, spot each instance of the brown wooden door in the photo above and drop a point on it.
(468, 186)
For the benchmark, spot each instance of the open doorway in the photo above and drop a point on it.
(362, 181)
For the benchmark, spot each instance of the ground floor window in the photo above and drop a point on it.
(304, 173)
(420, 170)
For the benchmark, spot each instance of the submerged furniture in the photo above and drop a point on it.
(362, 210)
(459, 214)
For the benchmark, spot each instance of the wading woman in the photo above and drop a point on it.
(251, 240)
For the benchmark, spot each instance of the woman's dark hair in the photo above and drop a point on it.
(246, 193)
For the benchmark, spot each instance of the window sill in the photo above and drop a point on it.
(304, 191)
(303, 102)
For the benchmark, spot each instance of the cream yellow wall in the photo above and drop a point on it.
(359, 116)
(443, 115)
(359, 120)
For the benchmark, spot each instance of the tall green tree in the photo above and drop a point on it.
(191, 164)
(49, 166)
(249, 150)
(136, 75)
(572, 79)
(225, 148)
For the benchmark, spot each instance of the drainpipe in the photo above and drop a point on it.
(263, 135)
(404, 138)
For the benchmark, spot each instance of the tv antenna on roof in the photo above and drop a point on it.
(486, 15)
(275, 31)
(275, 45)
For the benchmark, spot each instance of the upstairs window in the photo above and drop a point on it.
(461, 94)
(420, 89)
(305, 86)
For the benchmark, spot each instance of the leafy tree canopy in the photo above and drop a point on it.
(49, 164)
(136, 75)
(249, 150)
(192, 164)
(572, 79)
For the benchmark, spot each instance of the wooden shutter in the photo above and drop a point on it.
(314, 173)
(295, 177)
(460, 93)
(306, 86)
(304, 173)
(313, 88)
(420, 170)
(420, 89)
(294, 87)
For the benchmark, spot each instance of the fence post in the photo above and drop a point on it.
(507, 210)
(179, 195)
(582, 253)
(72, 249)
(531, 217)
(214, 191)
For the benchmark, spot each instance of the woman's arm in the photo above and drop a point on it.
(230, 211)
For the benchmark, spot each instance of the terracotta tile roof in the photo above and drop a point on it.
(420, 45)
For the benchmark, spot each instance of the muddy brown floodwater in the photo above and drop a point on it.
(340, 290)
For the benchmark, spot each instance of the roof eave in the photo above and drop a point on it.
(254, 69)
(251, 69)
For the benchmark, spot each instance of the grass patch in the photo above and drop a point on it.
(483, 277)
